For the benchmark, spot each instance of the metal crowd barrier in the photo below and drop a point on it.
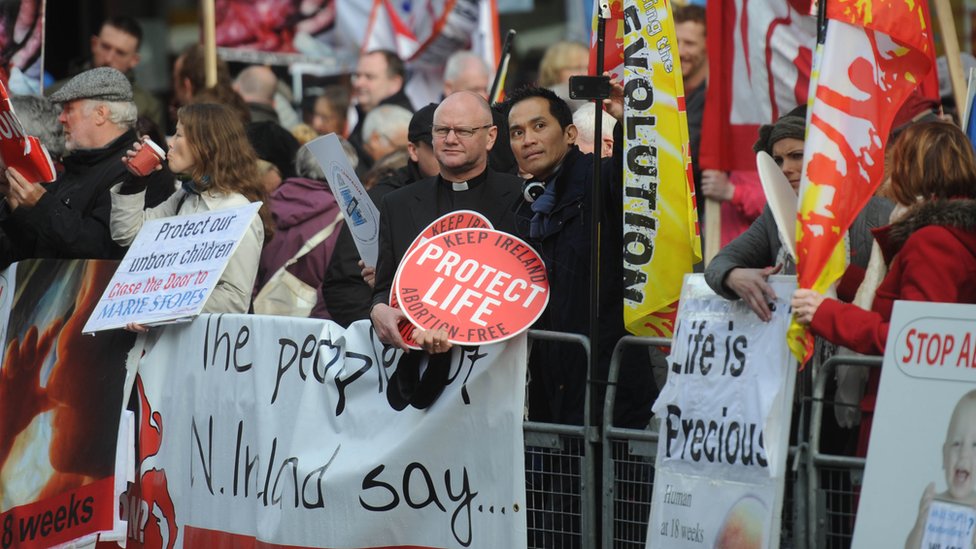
(834, 480)
(628, 464)
(820, 494)
(560, 473)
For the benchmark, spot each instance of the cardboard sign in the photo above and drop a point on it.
(362, 217)
(920, 478)
(725, 420)
(460, 219)
(171, 268)
(65, 458)
(481, 285)
(20, 151)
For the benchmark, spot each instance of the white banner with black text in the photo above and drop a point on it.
(283, 432)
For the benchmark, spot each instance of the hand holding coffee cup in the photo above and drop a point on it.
(144, 157)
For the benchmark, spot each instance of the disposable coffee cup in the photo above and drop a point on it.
(146, 160)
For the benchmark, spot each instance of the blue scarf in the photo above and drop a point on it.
(542, 207)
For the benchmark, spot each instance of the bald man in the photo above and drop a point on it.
(257, 85)
(463, 133)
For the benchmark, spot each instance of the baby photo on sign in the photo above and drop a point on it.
(919, 487)
(946, 519)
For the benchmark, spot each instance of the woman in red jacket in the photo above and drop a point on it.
(930, 251)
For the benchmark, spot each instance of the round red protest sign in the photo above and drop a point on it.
(481, 285)
(459, 219)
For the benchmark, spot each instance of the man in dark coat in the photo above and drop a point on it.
(463, 133)
(378, 80)
(557, 224)
(69, 218)
(117, 45)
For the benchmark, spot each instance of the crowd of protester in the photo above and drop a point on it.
(241, 141)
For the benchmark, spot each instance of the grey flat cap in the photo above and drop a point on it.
(103, 84)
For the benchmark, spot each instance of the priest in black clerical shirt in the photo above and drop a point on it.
(463, 134)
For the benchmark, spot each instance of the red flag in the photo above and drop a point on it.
(759, 58)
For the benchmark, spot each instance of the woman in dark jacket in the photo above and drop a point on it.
(302, 207)
(741, 268)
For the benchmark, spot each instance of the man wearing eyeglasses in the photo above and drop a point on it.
(463, 134)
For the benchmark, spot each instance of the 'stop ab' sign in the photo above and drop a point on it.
(480, 285)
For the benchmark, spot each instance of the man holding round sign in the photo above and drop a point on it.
(463, 134)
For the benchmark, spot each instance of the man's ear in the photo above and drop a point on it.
(412, 152)
(94, 44)
(100, 114)
(571, 133)
(492, 135)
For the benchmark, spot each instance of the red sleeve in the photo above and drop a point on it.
(850, 326)
(849, 282)
(928, 268)
(748, 197)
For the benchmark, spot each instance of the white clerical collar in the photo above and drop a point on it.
(462, 186)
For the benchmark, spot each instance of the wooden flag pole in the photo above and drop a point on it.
(713, 228)
(947, 26)
(210, 42)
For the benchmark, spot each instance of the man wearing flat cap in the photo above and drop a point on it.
(69, 218)
(346, 294)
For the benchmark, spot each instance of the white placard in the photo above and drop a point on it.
(781, 199)
(171, 268)
(920, 479)
(725, 419)
(287, 432)
(362, 217)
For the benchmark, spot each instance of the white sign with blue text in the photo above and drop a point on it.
(362, 217)
(171, 268)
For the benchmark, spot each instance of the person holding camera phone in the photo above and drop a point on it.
(554, 217)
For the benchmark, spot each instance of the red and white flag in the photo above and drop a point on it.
(874, 56)
(759, 58)
(424, 33)
(387, 30)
